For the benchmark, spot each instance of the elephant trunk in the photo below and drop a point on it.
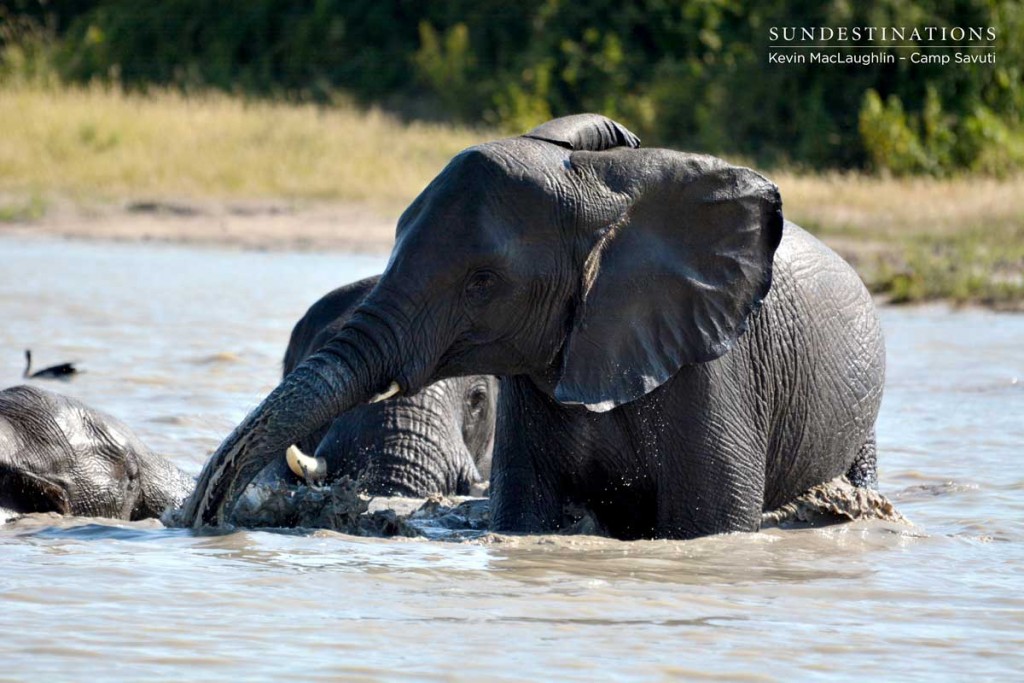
(351, 369)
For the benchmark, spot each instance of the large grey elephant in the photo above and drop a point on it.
(58, 455)
(438, 441)
(672, 354)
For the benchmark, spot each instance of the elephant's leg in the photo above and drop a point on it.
(527, 458)
(864, 470)
(727, 504)
(710, 489)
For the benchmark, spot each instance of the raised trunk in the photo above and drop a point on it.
(350, 370)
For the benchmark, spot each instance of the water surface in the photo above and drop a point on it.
(180, 343)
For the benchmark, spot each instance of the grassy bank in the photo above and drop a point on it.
(915, 240)
(920, 239)
(99, 143)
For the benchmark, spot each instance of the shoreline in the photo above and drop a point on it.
(351, 227)
(263, 225)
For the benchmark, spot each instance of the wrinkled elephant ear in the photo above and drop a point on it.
(32, 492)
(585, 132)
(671, 281)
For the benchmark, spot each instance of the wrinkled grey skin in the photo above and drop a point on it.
(672, 355)
(438, 441)
(58, 455)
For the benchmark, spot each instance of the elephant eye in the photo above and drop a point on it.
(477, 398)
(481, 284)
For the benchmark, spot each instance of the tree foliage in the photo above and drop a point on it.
(687, 73)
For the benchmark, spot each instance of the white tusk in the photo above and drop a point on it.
(310, 469)
(392, 390)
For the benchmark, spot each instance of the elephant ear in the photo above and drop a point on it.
(26, 491)
(585, 132)
(673, 278)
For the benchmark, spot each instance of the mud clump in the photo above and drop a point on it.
(339, 506)
(833, 502)
(453, 519)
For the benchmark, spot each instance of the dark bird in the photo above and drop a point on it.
(63, 371)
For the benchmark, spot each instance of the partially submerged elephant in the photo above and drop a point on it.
(58, 455)
(438, 441)
(673, 355)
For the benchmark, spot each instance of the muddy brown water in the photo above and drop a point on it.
(181, 342)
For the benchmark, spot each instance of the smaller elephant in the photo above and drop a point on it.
(58, 455)
(437, 441)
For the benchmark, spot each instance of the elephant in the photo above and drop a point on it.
(436, 442)
(673, 355)
(58, 455)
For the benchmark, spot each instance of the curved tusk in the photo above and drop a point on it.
(310, 469)
(392, 390)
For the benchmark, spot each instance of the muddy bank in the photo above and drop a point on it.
(262, 225)
(273, 225)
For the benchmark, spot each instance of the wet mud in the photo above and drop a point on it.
(833, 502)
(343, 508)
(339, 507)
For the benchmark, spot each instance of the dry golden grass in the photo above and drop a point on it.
(99, 142)
(920, 239)
(887, 208)
(914, 239)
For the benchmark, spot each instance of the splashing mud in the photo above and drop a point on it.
(832, 503)
(341, 507)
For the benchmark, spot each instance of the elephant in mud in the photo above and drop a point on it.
(673, 356)
(438, 441)
(58, 455)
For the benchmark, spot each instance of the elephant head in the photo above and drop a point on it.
(59, 455)
(436, 442)
(567, 255)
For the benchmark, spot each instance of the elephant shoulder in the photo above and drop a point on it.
(805, 267)
(343, 300)
(817, 306)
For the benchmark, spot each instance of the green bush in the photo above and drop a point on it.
(685, 73)
(27, 50)
(445, 64)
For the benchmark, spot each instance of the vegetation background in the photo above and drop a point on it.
(915, 169)
(692, 74)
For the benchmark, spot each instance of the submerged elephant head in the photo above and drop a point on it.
(567, 255)
(436, 442)
(59, 455)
